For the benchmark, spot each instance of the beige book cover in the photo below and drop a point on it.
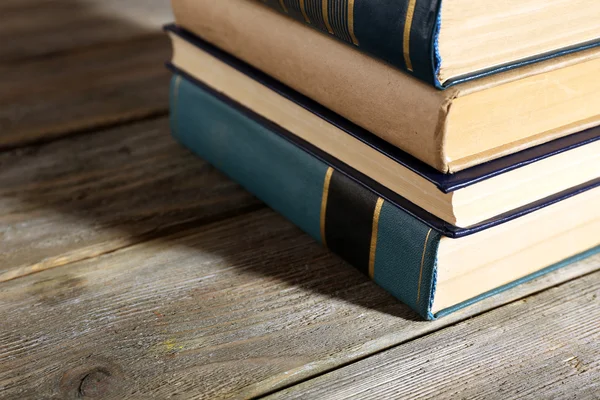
(451, 130)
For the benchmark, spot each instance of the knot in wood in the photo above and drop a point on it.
(94, 378)
(95, 383)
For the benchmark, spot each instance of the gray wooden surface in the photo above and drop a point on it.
(67, 67)
(130, 268)
(535, 348)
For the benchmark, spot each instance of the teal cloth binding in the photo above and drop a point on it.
(403, 250)
(404, 266)
(291, 182)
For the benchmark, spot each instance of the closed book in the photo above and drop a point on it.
(404, 253)
(465, 125)
(444, 42)
(461, 202)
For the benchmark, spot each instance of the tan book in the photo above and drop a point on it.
(462, 126)
(471, 204)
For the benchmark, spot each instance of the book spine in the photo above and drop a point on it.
(386, 243)
(392, 105)
(400, 32)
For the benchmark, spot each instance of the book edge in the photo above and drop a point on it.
(416, 278)
(445, 182)
(517, 282)
(436, 223)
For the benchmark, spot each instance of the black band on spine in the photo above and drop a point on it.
(349, 220)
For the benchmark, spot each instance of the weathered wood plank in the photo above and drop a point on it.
(543, 347)
(80, 90)
(42, 28)
(82, 196)
(234, 309)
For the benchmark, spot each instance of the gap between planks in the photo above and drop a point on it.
(81, 91)
(539, 347)
(97, 127)
(234, 310)
(84, 196)
(33, 29)
(86, 208)
(326, 375)
(72, 66)
(170, 233)
(99, 67)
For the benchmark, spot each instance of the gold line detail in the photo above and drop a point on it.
(324, 203)
(283, 7)
(410, 13)
(303, 9)
(351, 21)
(325, 8)
(374, 231)
(422, 262)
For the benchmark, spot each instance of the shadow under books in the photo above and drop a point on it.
(135, 182)
(177, 194)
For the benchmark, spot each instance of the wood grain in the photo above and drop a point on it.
(86, 195)
(145, 273)
(46, 28)
(234, 309)
(78, 91)
(542, 347)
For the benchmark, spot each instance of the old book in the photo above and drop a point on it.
(405, 254)
(464, 125)
(470, 198)
(445, 42)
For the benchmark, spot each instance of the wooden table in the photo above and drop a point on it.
(130, 268)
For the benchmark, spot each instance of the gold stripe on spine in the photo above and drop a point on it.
(324, 203)
(303, 9)
(351, 21)
(325, 7)
(410, 14)
(422, 262)
(374, 230)
(283, 7)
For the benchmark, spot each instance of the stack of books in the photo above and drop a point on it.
(448, 150)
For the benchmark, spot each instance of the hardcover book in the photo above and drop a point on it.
(405, 254)
(466, 200)
(446, 42)
(465, 125)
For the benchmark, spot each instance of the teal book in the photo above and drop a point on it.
(401, 252)
(447, 42)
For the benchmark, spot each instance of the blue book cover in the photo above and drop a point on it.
(385, 239)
